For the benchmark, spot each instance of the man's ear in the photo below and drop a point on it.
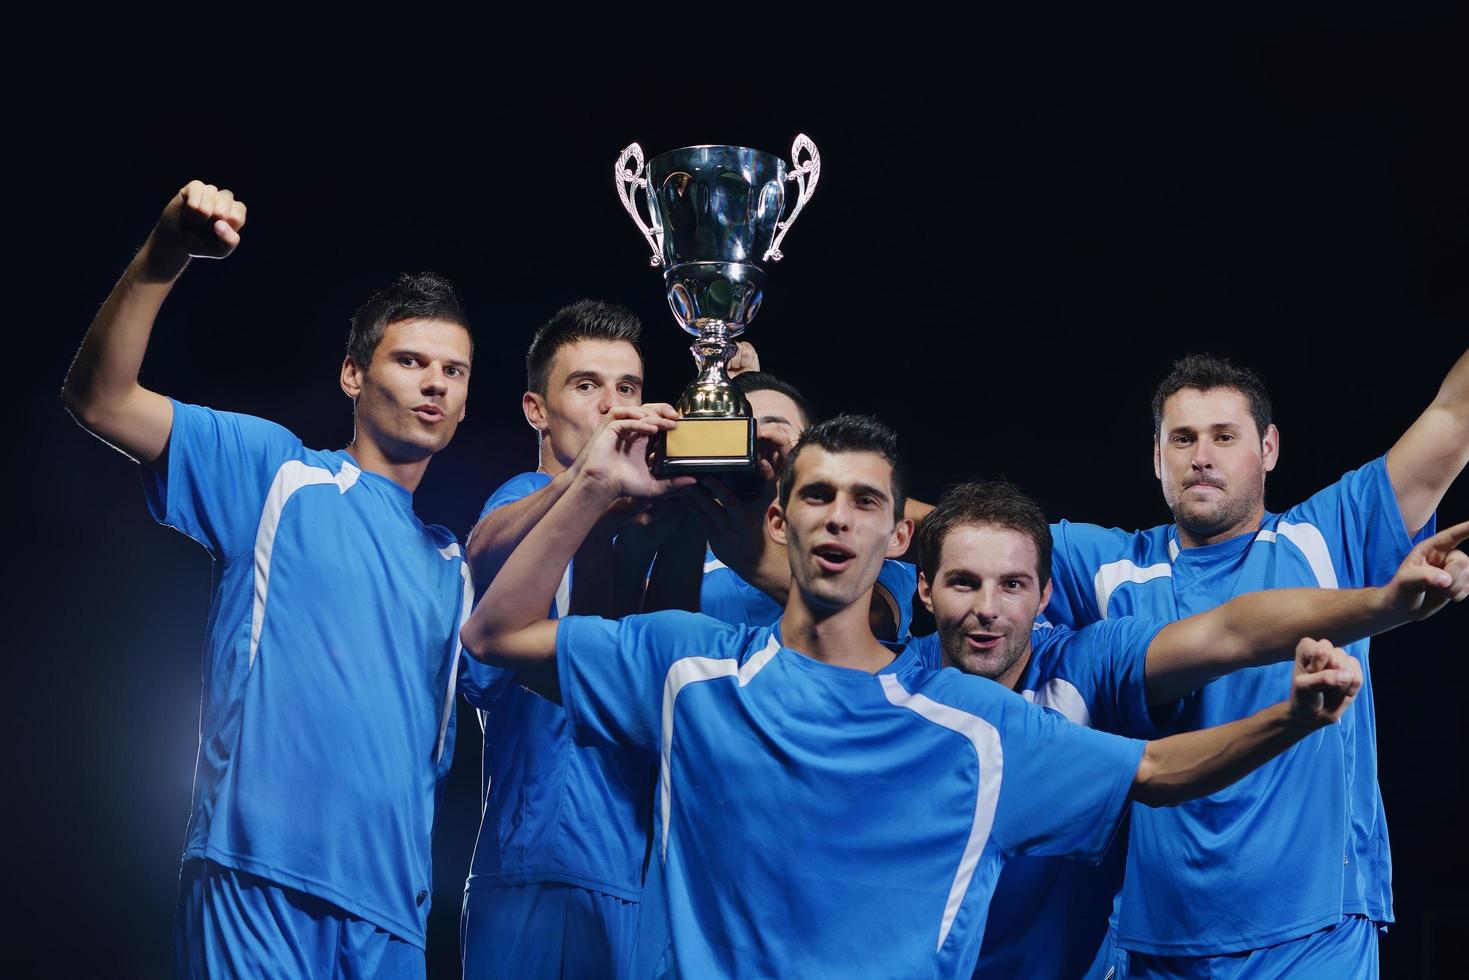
(925, 592)
(1270, 447)
(902, 535)
(535, 410)
(1045, 598)
(775, 524)
(1157, 458)
(351, 379)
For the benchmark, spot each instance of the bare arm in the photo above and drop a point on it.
(509, 628)
(1263, 627)
(1193, 764)
(500, 531)
(101, 389)
(1427, 459)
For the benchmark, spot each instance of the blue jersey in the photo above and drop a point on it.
(1049, 916)
(730, 599)
(553, 811)
(1302, 841)
(327, 723)
(815, 821)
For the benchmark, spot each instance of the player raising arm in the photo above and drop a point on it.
(792, 756)
(327, 721)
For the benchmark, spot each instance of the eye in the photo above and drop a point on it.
(1224, 437)
(866, 502)
(626, 389)
(1014, 584)
(453, 372)
(586, 386)
(1182, 440)
(407, 360)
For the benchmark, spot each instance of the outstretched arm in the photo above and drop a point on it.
(1193, 764)
(508, 627)
(1427, 459)
(102, 389)
(1263, 627)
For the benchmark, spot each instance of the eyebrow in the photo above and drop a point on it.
(774, 418)
(589, 374)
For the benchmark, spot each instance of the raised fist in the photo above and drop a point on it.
(202, 221)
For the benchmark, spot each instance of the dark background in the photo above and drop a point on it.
(1008, 246)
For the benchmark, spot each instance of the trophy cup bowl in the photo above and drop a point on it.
(716, 223)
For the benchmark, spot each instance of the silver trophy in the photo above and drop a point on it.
(716, 222)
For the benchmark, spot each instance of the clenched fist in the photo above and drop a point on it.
(202, 221)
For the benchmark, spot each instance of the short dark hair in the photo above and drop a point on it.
(764, 381)
(849, 434)
(996, 502)
(586, 319)
(412, 296)
(1206, 372)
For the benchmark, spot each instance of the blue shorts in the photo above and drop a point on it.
(545, 930)
(1345, 951)
(232, 924)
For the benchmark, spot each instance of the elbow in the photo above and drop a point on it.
(476, 641)
(1151, 788)
(81, 407)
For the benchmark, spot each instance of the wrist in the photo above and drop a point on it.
(159, 260)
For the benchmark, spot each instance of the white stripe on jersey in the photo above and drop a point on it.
(1113, 574)
(1312, 543)
(986, 741)
(292, 476)
(466, 604)
(1061, 696)
(691, 670)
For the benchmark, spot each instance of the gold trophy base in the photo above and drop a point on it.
(700, 446)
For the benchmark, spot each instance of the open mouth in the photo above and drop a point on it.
(983, 642)
(832, 558)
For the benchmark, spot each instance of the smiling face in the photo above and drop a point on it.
(585, 381)
(985, 596)
(1211, 462)
(838, 525)
(411, 398)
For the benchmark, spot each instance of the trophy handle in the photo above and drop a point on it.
(629, 179)
(805, 173)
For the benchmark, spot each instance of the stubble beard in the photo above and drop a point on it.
(1228, 514)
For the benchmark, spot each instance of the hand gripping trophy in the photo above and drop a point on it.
(716, 223)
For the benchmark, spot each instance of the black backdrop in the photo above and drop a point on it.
(1001, 261)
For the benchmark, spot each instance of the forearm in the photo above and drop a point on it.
(1259, 628)
(526, 586)
(500, 531)
(1434, 450)
(1193, 764)
(103, 378)
(677, 575)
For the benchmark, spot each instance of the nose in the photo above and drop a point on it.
(433, 381)
(839, 514)
(1202, 460)
(608, 399)
(985, 606)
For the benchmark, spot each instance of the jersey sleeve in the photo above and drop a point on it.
(1108, 661)
(1073, 567)
(481, 684)
(612, 672)
(514, 489)
(1352, 532)
(900, 580)
(220, 469)
(1063, 787)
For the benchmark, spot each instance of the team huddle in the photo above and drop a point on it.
(711, 744)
